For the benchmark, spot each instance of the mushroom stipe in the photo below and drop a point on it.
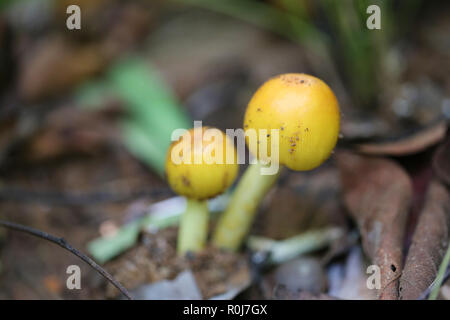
(306, 110)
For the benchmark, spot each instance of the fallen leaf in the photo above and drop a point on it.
(217, 273)
(408, 145)
(56, 65)
(429, 243)
(71, 130)
(377, 193)
(441, 161)
(220, 273)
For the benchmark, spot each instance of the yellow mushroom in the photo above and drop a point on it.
(304, 110)
(305, 114)
(197, 167)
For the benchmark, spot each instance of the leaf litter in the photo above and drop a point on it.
(429, 243)
(377, 193)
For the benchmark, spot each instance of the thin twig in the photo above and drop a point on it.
(62, 243)
(443, 275)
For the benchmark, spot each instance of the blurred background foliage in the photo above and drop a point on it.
(363, 66)
(92, 110)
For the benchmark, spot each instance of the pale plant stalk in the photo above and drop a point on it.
(237, 219)
(440, 276)
(193, 227)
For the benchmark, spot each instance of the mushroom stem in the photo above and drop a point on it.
(193, 227)
(237, 219)
(284, 250)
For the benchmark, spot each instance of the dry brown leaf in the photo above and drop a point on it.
(154, 259)
(441, 161)
(408, 145)
(429, 243)
(56, 65)
(71, 130)
(378, 192)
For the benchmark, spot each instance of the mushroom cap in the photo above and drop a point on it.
(306, 112)
(212, 174)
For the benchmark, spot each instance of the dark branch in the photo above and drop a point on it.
(62, 243)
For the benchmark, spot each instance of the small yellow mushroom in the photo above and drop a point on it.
(305, 112)
(200, 165)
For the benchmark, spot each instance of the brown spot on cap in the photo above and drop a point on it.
(186, 181)
(225, 180)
